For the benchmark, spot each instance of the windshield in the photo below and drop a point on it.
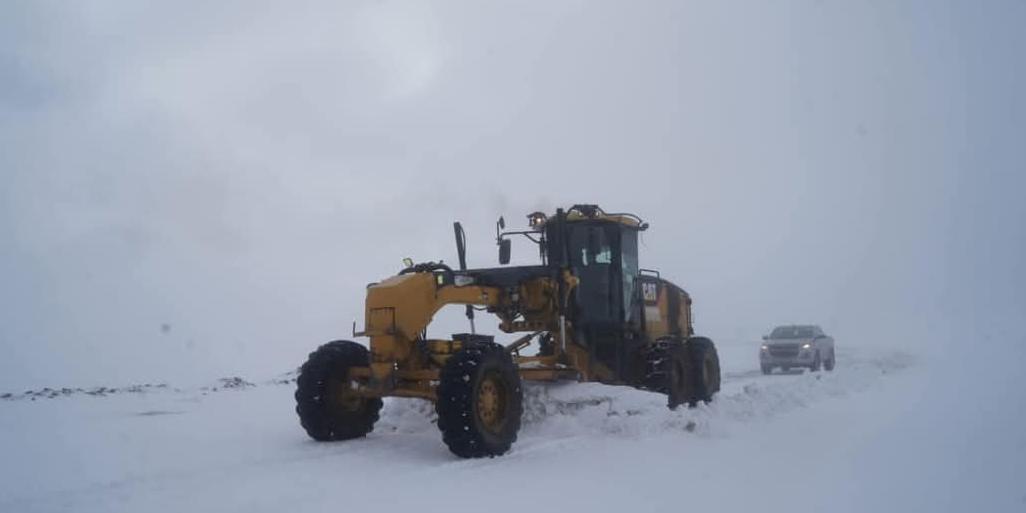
(793, 332)
(589, 247)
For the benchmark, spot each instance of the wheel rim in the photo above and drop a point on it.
(341, 397)
(491, 402)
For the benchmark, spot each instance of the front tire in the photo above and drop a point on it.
(767, 370)
(816, 363)
(480, 401)
(829, 364)
(327, 407)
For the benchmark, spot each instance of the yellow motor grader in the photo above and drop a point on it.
(588, 308)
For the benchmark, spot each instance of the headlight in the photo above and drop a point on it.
(765, 347)
(806, 346)
(536, 220)
(462, 280)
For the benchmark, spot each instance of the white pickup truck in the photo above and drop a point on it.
(797, 346)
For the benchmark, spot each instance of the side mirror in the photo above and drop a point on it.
(504, 250)
(502, 223)
(407, 262)
(765, 337)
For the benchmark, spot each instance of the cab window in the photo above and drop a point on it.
(629, 246)
(590, 247)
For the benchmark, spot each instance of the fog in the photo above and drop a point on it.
(189, 190)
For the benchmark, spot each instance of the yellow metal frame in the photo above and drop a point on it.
(399, 309)
(404, 364)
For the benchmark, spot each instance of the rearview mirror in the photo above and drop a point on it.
(504, 250)
(407, 262)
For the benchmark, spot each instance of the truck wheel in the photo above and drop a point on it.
(705, 370)
(816, 362)
(479, 401)
(667, 368)
(328, 409)
(766, 369)
(829, 364)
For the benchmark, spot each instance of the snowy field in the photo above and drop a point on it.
(877, 434)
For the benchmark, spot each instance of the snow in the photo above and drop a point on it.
(881, 433)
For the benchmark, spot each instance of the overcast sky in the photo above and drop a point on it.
(193, 189)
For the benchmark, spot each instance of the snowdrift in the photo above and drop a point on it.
(576, 409)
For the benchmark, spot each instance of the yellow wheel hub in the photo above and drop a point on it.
(490, 403)
(342, 396)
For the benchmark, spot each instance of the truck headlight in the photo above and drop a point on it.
(462, 280)
(765, 347)
(807, 346)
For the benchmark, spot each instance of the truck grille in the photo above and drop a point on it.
(783, 350)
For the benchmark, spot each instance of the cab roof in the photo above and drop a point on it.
(578, 213)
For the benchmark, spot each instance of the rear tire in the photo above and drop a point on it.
(480, 401)
(687, 372)
(705, 370)
(327, 409)
(666, 369)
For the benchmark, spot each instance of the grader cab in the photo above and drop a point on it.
(589, 310)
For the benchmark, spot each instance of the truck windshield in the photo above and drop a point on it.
(793, 332)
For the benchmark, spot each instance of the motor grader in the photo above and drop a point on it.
(588, 308)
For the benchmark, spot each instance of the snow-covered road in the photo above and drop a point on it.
(875, 435)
